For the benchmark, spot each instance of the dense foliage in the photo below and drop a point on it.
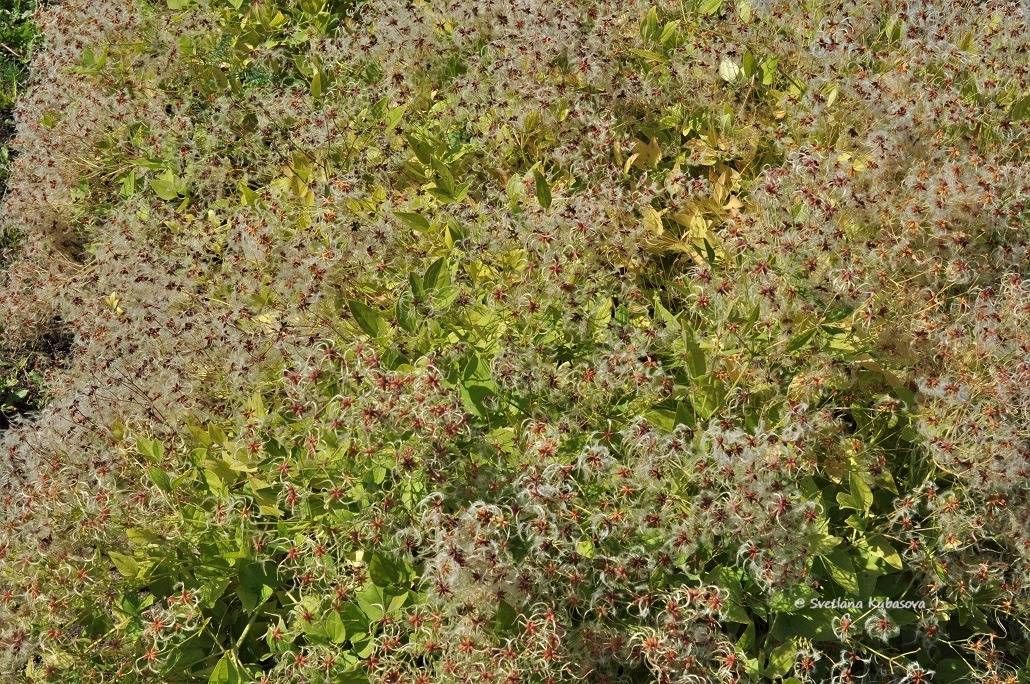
(519, 341)
(19, 374)
(17, 34)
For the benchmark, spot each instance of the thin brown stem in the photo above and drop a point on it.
(14, 52)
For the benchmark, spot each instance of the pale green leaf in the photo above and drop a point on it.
(728, 70)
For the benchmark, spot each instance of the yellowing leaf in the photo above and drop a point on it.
(653, 220)
(700, 148)
(831, 94)
(646, 155)
(629, 163)
(695, 221)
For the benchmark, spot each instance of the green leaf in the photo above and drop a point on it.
(144, 537)
(474, 368)
(753, 668)
(781, 659)
(221, 469)
(354, 619)
(769, 70)
(257, 584)
(708, 396)
(800, 340)
(514, 188)
(505, 617)
(663, 315)
(669, 32)
(860, 491)
(819, 543)
(226, 672)
(792, 599)
(859, 497)
(128, 184)
(167, 186)
(695, 358)
(902, 617)
(744, 10)
(749, 65)
(160, 478)
(585, 548)
(422, 151)
(815, 624)
(407, 319)
(856, 521)
(382, 571)
(444, 178)
(474, 395)
(414, 221)
(747, 639)
(649, 24)
(213, 590)
(441, 195)
(247, 196)
(461, 191)
(432, 278)
(134, 603)
(1020, 110)
(372, 602)
(844, 500)
(729, 580)
(368, 319)
(951, 671)
(685, 414)
(126, 565)
(417, 287)
(543, 190)
(393, 117)
(355, 676)
(363, 647)
(971, 616)
(881, 548)
(708, 8)
(333, 627)
(709, 251)
(453, 234)
(397, 602)
(841, 570)
(380, 108)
